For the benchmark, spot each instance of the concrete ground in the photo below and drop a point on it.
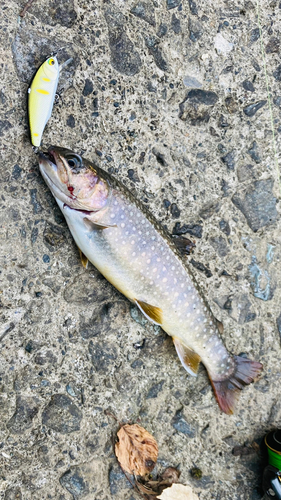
(181, 101)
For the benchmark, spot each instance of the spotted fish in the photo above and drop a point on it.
(126, 244)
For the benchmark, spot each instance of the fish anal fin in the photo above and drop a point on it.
(95, 226)
(227, 391)
(83, 259)
(152, 313)
(190, 360)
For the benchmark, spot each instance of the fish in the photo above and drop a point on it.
(41, 96)
(134, 253)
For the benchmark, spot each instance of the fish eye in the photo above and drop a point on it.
(75, 161)
(51, 61)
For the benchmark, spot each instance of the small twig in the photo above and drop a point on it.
(26, 7)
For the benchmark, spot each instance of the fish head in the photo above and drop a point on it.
(73, 180)
(51, 68)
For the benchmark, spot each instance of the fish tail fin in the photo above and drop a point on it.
(227, 391)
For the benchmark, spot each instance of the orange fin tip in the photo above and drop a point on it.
(83, 259)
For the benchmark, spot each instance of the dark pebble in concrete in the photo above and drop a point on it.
(277, 73)
(145, 11)
(37, 208)
(26, 409)
(231, 104)
(159, 157)
(175, 211)
(117, 480)
(16, 172)
(99, 319)
(193, 7)
(91, 289)
(220, 245)
(199, 96)
(154, 390)
(73, 481)
(255, 34)
(181, 425)
(253, 108)
(172, 4)
(70, 122)
(224, 227)
(13, 494)
(88, 87)
(5, 125)
(229, 160)
(195, 30)
(162, 30)
(124, 57)
(53, 235)
(247, 85)
(152, 44)
(193, 229)
(257, 203)
(273, 45)
(46, 357)
(175, 24)
(254, 153)
(103, 356)
(209, 209)
(201, 267)
(62, 415)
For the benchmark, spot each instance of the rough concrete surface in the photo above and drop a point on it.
(171, 97)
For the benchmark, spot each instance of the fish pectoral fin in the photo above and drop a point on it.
(95, 226)
(152, 313)
(83, 259)
(220, 326)
(189, 359)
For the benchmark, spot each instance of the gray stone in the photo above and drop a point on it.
(201, 267)
(5, 125)
(190, 81)
(26, 410)
(172, 4)
(144, 10)
(193, 229)
(278, 322)
(45, 357)
(54, 236)
(277, 73)
(247, 85)
(13, 494)
(117, 480)
(62, 415)
(37, 207)
(152, 44)
(181, 425)
(273, 45)
(254, 153)
(175, 24)
(199, 96)
(195, 29)
(193, 7)
(229, 160)
(257, 204)
(103, 356)
(253, 108)
(209, 209)
(224, 227)
(220, 245)
(155, 390)
(89, 289)
(195, 108)
(72, 480)
(246, 173)
(124, 57)
(239, 308)
(88, 87)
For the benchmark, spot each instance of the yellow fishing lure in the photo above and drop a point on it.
(41, 98)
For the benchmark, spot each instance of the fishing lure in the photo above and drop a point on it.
(41, 96)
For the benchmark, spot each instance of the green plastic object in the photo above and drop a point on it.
(273, 443)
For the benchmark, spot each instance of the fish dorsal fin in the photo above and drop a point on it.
(83, 259)
(95, 226)
(152, 313)
(189, 359)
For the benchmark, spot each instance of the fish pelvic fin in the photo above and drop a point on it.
(188, 358)
(152, 313)
(83, 259)
(227, 391)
